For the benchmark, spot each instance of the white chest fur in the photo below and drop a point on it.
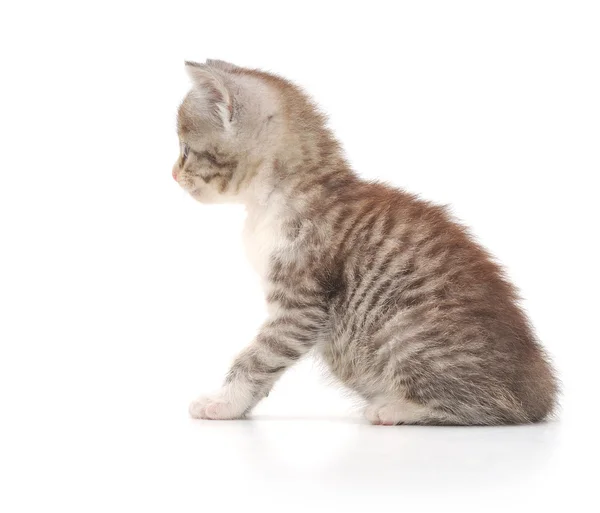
(263, 236)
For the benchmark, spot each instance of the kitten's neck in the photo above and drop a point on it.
(300, 173)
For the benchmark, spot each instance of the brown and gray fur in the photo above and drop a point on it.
(396, 297)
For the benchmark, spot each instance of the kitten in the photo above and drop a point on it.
(404, 307)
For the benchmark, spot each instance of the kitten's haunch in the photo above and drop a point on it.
(399, 301)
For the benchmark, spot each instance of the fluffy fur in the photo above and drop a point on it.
(404, 307)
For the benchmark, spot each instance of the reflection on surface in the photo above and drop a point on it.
(353, 458)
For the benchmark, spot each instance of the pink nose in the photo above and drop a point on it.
(174, 173)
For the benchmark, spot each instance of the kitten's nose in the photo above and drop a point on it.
(174, 173)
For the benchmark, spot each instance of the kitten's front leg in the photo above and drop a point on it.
(281, 342)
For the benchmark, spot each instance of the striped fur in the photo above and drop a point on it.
(404, 307)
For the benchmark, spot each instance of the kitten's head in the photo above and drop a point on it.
(228, 126)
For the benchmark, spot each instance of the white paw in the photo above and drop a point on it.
(371, 414)
(214, 408)
(377, 415)
(395, 412)
(383, 415)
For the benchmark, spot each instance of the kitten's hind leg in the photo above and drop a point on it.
(390, 412)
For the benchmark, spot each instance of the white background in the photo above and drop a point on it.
(121, 299)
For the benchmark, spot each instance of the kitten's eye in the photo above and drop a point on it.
(185, 151)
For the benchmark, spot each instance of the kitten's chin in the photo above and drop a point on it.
(206, 196)
(199, 195)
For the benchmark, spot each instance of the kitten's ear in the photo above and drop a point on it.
(225, 66)
(212, 91)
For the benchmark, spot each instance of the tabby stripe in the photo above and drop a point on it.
(368, 281)
(214, 161)
(376, 280)
(302, 338)
(290, 303)
(298, 321)
(278, 348)
(355, 225)
(375, 248)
